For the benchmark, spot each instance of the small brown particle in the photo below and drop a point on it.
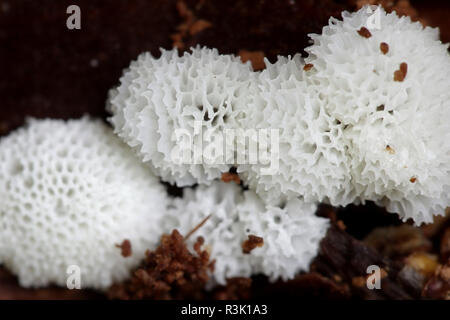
(389, 149)
(337, 278)
(341, 225)
(413, 179)
(383, 273)
(384, 47)
(404, 68)
(126, 248)
(380, 108)
(198, 245)
(364, 32)
(199, 26)
(400, 74)
(255, 57)
(358, 282)
(251, 243)
(308, 66)
(229, 176)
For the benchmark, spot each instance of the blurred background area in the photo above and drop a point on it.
(47, 70)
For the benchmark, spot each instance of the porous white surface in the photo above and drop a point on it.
(313, 159)
(291, 235)
(69, 192)
(397, 132)
(158, 96)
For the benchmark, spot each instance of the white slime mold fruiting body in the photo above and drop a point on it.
(291, 234)
(313, 162)
(158, 99)
(69, 193)
(397, 132)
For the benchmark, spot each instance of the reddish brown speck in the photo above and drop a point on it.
(198, 245)
(413, 179)
(384, 47)
(389, 149)
(251, 243)
(199, 26)
(359, 282)
(229, 176)
(126, 248)
(364, 32)
(337, 278)
(341, 225)
(400, 74)
(308, 66)
(404, 68)
(255, 57)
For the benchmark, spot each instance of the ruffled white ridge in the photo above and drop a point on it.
(313, 161)
(157, 98)
(291, 234)
(397, 132)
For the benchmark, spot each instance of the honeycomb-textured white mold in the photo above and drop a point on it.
(291, 234)
(157, 98)
(313, 160)
(69, 193)
(397, 131)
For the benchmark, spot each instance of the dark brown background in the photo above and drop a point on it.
(47, 70)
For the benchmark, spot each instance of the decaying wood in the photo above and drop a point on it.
(343, 257)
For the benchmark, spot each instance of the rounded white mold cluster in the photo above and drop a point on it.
(291, 234)
(172, 109)
(69, 193)
(397, 132)
(312, 160)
